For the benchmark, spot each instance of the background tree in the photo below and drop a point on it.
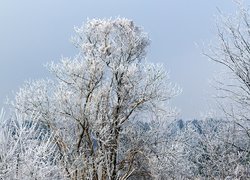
(96, 100)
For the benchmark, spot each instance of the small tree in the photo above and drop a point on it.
(27, 150)
(94, 104)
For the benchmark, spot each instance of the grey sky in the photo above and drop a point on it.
(35, 32)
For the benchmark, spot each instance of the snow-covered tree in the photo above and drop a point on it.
(211, 154)
(203, 149)
(27, 150)
(106, 107)
(232, 51)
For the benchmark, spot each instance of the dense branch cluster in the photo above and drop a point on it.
(94, 104)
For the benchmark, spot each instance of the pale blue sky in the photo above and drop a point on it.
(34, 32)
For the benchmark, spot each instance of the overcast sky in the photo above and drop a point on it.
(35, 32)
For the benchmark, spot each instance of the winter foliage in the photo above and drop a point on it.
(105, 114)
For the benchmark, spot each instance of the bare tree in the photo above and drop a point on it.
(233, 52)
(96, 100)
